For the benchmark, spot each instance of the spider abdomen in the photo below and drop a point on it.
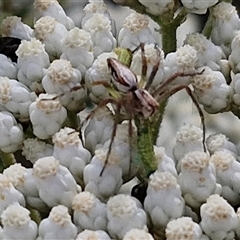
(122, 77)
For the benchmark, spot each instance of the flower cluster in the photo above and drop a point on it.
(88, 127)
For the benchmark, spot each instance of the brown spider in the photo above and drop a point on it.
(136, 101)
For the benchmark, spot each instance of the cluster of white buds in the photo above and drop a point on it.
(13, 26)
(32, 60)
(16, 98)
(69, 151)
(12, 134)
(225, 23)
(7, 68)
(218, 218)
(54, 9)
(117, 82)
(58, 225)
(22, 180)
(47, 115)
(135, 30)
(16, 222)
(197, 178)
(163, 201)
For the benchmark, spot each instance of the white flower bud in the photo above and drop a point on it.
(12, 26)
(135, 30)
(137, 234)
(33, 149)
(218, 218)
(219, 142)
(236, 87)
(77, 48)
(98, 72)
(152, 56)
(197, 178)
(69, 151)
(184, 228)
(53, 9)
(124, 213)
(9, 195)
(225, 22)
(23, 181)
(51, 33)
(211, 90)
(238, 229)
(165, 163)
(189, 138)
(208, 54)
(7, 67)
(99, 27)
(163, 201)
(60, 79)
(110, 181)
(58, 225)
(97, 6)
(47, 115)
(234, 57)
(99, 129)
(12, 134)
(183, 60)
(89, 212)
(96, 235)
(157, 7)
(32, 60)
(198, 6)
(125, 152)
(55, 183)
(17, 223)
(227, 172)
(16, 97)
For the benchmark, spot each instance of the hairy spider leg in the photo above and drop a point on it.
(112, 137)
(154, 69)
(126, 103)
(166, 94)
(162, 87)
(144, 62)
(102, 104)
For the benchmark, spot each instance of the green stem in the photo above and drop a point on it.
(72, 121)
(208, 25)
(35, 216)
(157, 120)
(7, 159)
(145, 148)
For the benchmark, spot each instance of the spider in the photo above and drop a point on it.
(134, 98)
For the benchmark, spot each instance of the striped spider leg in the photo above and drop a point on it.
(163, 91)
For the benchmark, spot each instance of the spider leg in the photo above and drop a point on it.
(144, 62)
(104, 83)
(130, 135)
(167, 94)
(112, 136)
(154, 69)
(161, 88)
(103, 103)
